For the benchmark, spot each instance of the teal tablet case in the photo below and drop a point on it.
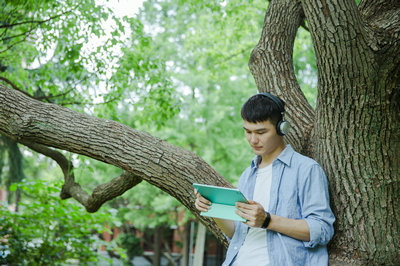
(222, 201)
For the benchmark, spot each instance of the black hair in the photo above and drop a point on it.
(260, 108)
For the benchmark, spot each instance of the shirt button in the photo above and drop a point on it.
(235, 248)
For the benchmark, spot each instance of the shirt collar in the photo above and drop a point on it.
(285, 157)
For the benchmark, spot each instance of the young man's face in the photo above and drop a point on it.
(262, 137)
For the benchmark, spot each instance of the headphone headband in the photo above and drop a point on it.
(274, 99)
(282, 127)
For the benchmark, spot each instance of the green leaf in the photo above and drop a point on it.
(13, 187)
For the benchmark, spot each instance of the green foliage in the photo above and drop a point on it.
(47, 230)
(131, 244)
(206, 46)
(197, 62)
(57, 65)
(304, 65)
(149, 207)
(143, 81)
(204, 49)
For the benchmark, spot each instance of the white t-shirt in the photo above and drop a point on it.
(254, 250)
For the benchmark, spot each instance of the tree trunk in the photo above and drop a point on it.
(157, 246)
(186, 244)
(354, 132)
(271, 63)
(200, 243)
(357, 138)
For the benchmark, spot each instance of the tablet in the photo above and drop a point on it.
(223, 201)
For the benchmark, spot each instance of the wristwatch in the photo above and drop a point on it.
(266, 221)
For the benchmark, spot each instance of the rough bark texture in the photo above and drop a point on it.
(355, 131)
(170, 168)
(271, 64)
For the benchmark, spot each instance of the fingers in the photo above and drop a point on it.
(243, 215)
(253, 212)
(201, 203)
(248, 215)
(251, 205)
(200, 197)
(252, 219)
(201, 206)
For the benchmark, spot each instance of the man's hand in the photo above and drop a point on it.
(201, 204)
(255, 215)
(253, 212)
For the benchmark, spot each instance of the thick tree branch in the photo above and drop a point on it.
(333, 31)
(100, 194)
(383, 14)
(106, 191)
(168, 167)
(271, 64)
(382, 22)
(354, 49)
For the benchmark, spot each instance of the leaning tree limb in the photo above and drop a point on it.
(170, 168)
(271, 63)
(102, 193)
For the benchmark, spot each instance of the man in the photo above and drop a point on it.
(289, 220)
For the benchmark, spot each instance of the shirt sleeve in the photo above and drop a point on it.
(314, 200)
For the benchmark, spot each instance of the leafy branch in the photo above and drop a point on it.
(27, 33)
(34, 21)
(101, 194)
(15, 87)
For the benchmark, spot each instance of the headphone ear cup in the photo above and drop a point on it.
(282, 127)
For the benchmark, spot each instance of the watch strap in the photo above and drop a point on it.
(266, 221)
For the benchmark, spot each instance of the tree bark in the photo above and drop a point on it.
(157, 246)
(354, 133)
(186, 244)
(168, 167)
(357, 133)
(200, 245)
(271, 63)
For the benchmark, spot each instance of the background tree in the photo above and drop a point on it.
(355, 117)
